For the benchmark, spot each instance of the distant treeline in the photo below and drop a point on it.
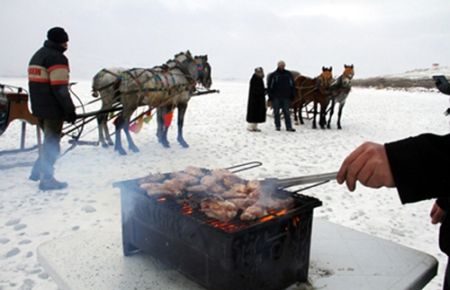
(396, 83)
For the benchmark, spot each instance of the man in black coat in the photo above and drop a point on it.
(416, 166)
(48, 76)
(281, 90)
(256, 107)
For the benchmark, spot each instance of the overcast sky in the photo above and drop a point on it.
(378, 37)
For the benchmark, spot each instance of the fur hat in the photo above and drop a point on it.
(281, 63)
(57, 35)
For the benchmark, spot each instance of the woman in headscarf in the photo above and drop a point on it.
(256, 107)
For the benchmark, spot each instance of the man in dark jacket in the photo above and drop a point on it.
(416, 166)
(256, 107)
(48, 76)
(281, 90)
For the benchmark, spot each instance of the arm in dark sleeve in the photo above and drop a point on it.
(444, 203)
(59, 81)
(292, 83)
(420, 166)
(443, 87)
(270, 86)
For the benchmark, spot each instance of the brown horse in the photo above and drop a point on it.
(313, 90)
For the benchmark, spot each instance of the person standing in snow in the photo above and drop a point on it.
(256, 106)
(281, 90)
(48, 80)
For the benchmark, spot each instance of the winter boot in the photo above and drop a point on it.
(51, 184)
(34, 176)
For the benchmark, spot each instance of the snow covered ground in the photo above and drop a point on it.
(215, 128)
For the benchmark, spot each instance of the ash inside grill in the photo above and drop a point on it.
(271, 252)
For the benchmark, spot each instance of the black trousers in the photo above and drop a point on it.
(49, 152)
(447, 277)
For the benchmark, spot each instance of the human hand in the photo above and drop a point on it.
(369, 165)
(437, 214)
(71, 117)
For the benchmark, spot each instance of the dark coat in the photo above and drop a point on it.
(48, 76)
(281, 85)
(443, 86)
(256, 107)
(420, 169)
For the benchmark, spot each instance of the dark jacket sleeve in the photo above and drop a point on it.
(270, 86)
(58, 68)
(291, 80)
(420, 166)
(443, 87)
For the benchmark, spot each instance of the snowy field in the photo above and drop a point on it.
(215, 128)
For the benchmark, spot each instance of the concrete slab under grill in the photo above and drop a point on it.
(341, 258)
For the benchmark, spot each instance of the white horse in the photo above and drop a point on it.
(158, 87)
(339, 92)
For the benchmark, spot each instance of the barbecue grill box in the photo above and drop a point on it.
(267, 254)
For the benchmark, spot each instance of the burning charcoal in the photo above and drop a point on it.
(219, 209)
(253, 212)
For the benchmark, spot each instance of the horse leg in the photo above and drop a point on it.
(131, 144)
(295, 115)
(331, 113)
(182, 107)
(314, 125)
(323, 112)
(162, 129)
(101, 138)
(118, 144)
(341, 106)
(106, 130)
(300, 113)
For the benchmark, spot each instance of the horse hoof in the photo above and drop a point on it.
(184, 144)
(165, 144)
(296, 123)
(328, 127)
(104, 145)
(134, 149)
(110, 143)
(121, 151)
(339, 127)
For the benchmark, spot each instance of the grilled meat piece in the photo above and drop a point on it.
(253, 212)
(219, 209)
(153, 188)
(208, 181)
(169, 187)
(157, 177)
(242, 203)
(232, 180)
(196, 188)
(194, 171)
(185, 178)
